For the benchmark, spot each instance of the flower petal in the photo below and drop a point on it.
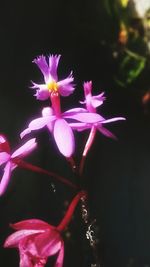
(48, 243)
(53, 65)
(5, 179)
(65, 86)
(86, 117)
(106, 132)
(4, 157)
(25, 149)
(41, 62)
(14, 239)
(25, 260)
(60, 258)
(64, 137)
(79, 126)
(113, 119)
(74, 111)
(35, 224)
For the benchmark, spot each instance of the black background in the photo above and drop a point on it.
(117, 172)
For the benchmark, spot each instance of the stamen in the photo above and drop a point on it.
(52, 86)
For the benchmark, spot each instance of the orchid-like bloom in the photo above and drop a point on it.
(51, 83)
(92, 102)
(38, 240)
(9, 161)
(59, 127)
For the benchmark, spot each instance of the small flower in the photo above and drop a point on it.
(64, 87)
(9, 161)
(60, 128)
(38, 240)
(92, 102)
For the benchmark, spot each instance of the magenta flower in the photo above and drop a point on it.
(92, 102)
(51, 83)
(9, 161)
(38, 240)
(60, 128)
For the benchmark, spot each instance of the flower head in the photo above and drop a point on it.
(60, 128)
(51, 83)
(38, 240)
(9, 160)
(92, 102)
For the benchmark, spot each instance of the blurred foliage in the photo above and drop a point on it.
(130, 39)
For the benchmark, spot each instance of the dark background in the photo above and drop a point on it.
(117, 172)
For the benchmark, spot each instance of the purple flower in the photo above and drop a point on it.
(9, 160)
(59, 127)
(51, 83)
(92, 102)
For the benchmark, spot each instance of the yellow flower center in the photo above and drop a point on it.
(52, 86)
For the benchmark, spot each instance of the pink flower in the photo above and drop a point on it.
(59, 127)
(52, 84)
(38, 240)
(92, 102)
(9, 160)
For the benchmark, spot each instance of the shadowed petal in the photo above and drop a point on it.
(106, 132)
(4, 145)
(25, 261)
(48, 243)
(64, 137)
(25, 149)
(6, 177)
(35, 224)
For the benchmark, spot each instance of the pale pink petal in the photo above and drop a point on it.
(14, 239)
(60, 258)
(4, 157)
(25, 132)
(98, 100)
(79, 126)
(2, 139)
(41, 62)
(5, 179)
(47, 111)
(25, 149)
(65, 86)
(113, 119)
(35, 224)
(87, 117)
(37, 124)
(53, 65)
(106, 132)
(74, 111)
(64, 137)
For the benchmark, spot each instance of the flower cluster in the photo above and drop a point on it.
(36, 239)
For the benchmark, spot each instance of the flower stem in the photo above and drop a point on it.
(25, 165)
(65, 221)
(87, 147)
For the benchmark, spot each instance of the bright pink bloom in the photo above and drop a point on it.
(59, 127)
(52, 84)
(38, 240)
(9, 160)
